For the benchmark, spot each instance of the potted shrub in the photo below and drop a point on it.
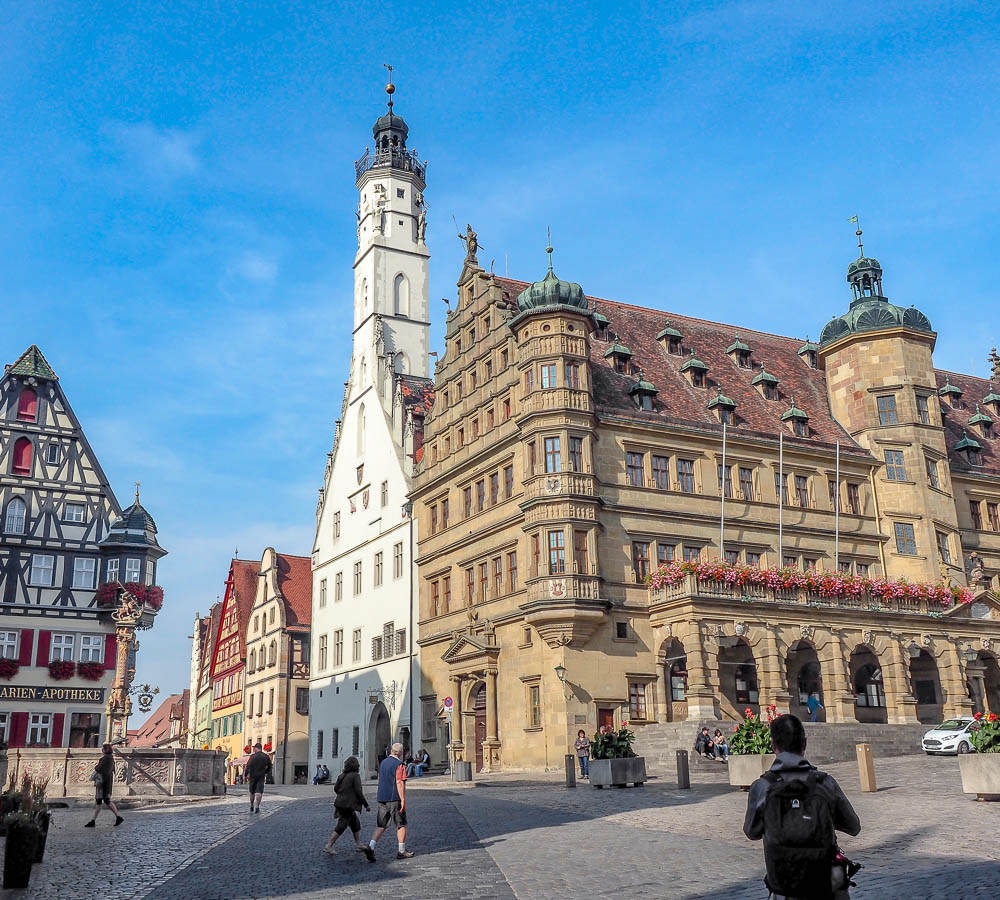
(750, 750)
(10, 802)
(20, 848)
(36, 791)
(981, 770)
(613, 762)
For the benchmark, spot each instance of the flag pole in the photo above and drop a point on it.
(836, 517)
(781, 497)
(722, 491)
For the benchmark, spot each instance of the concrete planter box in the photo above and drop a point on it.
(980, 774)
(745, 769)
(617, 772)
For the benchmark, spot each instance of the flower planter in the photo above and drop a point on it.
(980, 774)
(43, 819)
(745, 769)
(9, 803)
(19, 853)
(617, 772)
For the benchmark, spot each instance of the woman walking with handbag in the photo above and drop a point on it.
(103, 778)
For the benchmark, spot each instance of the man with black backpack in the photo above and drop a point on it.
(797, 809)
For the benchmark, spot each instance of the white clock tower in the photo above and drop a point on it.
(364, 668)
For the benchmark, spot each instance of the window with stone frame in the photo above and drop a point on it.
(338, 587)
(8, 644)
(854, 498)
(484, 580)
(685, 475)
(906, 543)
(512, 570)
(553, 454)
(573, 375)
(467, 501)
(534, 706)
(446, 587)
(536, 554)
(548, 373)
(356, 645)
(91, 648)
(923, 410)
(993, 515)
(895, 470)
(977, 516)
(732, 557)
(634, 464)
(580, 552)
(494, 488)
(691, 554)
(661, 472)
(470, 585)
(490, 419)
(508, 481)
(746, 482)
(862, 569)
(39, 730)
(61, 647)
(802, 490)
(575, 454)
(781, 487)
(637, 700)
(357, 578)
(790, 562)
(506, 409)
(887, 409)
(753, 559)
(809, 564)
(532, 458)
(665, 553)
(932, 473)
(844, 567)
(725, 475)
(434, 519)
(435, 598)
(640, 560)
(322, 654)
(557, 552)
(481, 494)
(497, 576)
(944, 551)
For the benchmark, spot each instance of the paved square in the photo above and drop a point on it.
(525, 837)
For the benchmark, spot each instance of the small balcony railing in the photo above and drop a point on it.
(406, 160)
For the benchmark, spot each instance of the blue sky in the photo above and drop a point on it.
(177, 205)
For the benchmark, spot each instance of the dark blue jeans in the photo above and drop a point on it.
(584, 765)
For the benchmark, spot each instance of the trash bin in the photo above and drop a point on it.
(463, 770)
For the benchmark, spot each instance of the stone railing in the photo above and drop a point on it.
(560, 483)
(565, 586)
(138, 773)
(690, 586)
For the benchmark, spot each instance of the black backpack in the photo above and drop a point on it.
(799, 839)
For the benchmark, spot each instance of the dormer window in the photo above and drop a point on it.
(600, 327)
(670, 339)
(643, 392)
(983, 421)
(620, 357)
(766, 383)
(808, 354)
(695, 370)
(739, 353)
(992, 400)
(796, 419)
(951, 394)
(972, 449)
(725, 407)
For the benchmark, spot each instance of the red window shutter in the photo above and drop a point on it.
(27, 405)
(42, 654)
(110, 650)
(18, 729)
(57, 729)
(22, 456)
(27, 642)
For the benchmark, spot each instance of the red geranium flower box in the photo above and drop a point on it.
(61, 669)
(9, 668)
(92, 671)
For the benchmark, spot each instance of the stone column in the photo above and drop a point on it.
(836, 672)
(953, 683)
(902, 705)
(700, 696)
(457, 746)
(771, 673)
(491, 746)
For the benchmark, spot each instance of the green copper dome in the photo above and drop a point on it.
(692, 362)
(870, 310)
(991, 397)
(968, 443)
(764, 377)
(949, 389)
(552, 291)
(980, 417)
(793, 412)
(643, 387)
(617, 350)
(721, 399)
(668, 332)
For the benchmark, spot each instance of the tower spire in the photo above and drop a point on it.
(548, 249)
(861, 249)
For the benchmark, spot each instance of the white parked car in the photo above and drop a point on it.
(951, 736)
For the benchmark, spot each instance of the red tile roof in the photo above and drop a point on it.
(156, 729)
(295, 583)
(678, 401)
(245, 573)
(956, 422)
(208, 648)
(418, 393)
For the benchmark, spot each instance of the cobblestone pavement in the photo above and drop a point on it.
(526, 837)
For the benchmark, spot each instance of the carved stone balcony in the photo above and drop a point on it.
(560, 484)
(554, 400)
(565, 609)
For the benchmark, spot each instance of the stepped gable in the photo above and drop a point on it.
(679, 402)
(956, 421)
(295, 584)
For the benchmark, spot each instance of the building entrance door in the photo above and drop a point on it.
(605, 717)
(479, 708)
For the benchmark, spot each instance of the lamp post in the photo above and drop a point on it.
(561, 673)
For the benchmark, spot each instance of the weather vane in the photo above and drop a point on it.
(390, 88)
(861, 249)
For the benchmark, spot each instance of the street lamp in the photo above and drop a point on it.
(914, 650)
(561, 674)
(970, 654)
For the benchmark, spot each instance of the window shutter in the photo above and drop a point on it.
(27, 641)
(110, 650)
(18, 729)
(57, 730)
(42, 654)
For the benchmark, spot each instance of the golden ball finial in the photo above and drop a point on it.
(390, 89)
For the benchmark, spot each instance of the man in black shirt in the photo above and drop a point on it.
(257, 770)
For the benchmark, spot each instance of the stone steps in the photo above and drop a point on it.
(827, 742)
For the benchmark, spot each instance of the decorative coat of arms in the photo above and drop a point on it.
(364, 498)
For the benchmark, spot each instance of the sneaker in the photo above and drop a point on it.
(91, 824)
(330, 851)
(406, 854)
(369, 854)
(118, 821)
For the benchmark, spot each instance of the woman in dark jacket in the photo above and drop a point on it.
(104, 776)
(350, 801)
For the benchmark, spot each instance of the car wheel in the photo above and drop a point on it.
(928, 752)
(963, 747)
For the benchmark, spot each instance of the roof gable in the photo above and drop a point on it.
(295, 584)
(32, 364)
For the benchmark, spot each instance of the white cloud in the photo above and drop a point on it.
(163, 152)
(256, 267)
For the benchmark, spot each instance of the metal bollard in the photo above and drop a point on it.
(866, 768)
(683, 771)
(570, 770)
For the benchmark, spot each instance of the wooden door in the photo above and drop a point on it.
(605, 717)
(479, 708)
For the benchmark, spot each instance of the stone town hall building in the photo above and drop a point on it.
(574, 444)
